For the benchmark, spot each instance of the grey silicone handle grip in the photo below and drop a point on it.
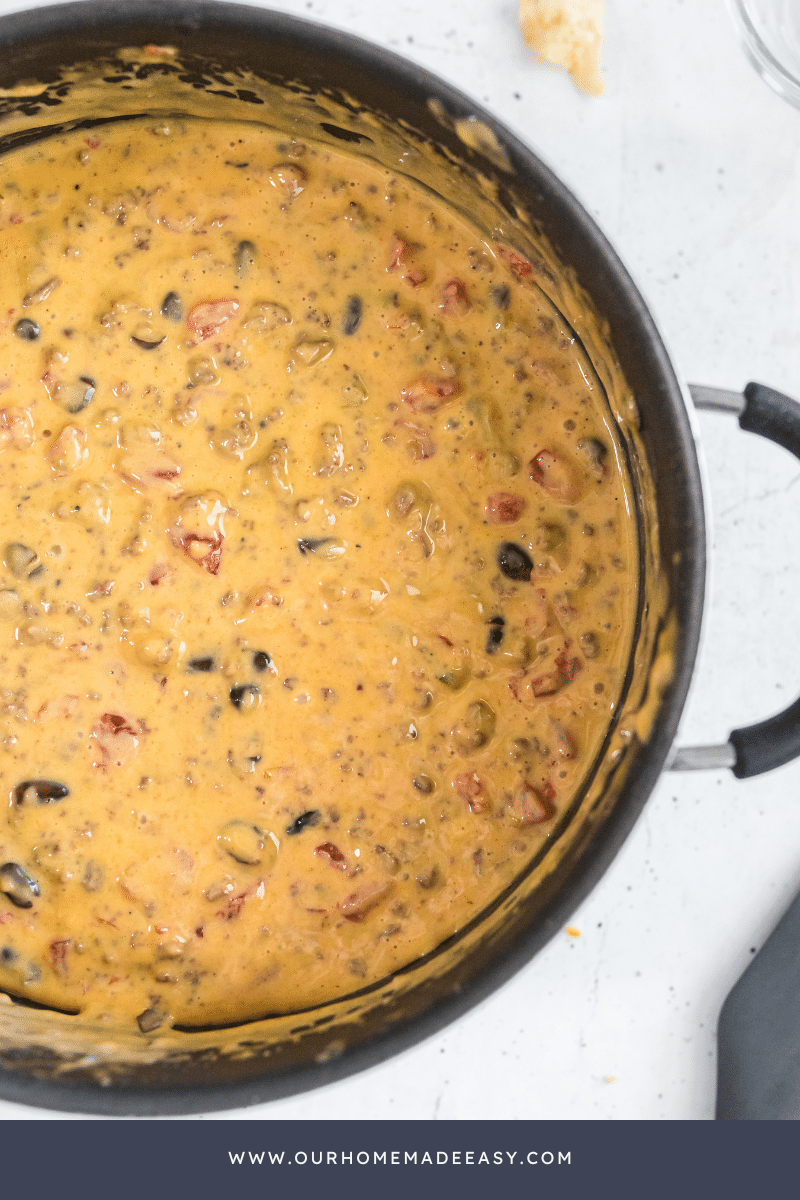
(776, 741)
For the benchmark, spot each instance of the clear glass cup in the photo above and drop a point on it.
(770, 32)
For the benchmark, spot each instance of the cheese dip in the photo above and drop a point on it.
(318, 580)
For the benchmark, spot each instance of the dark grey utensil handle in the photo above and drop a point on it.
(758, 1038)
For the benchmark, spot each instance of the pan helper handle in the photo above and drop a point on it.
(776, 741)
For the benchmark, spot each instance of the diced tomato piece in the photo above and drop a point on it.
(200, 530)
(531, 805)
(518, 264)
(399, 256)
(563, 740)
(117, 740)
(396, 255)
(333, 855)
(233, 906)
(553, 681)
(356, 906)
(546, 684)
(58, 956)
(471, 788)
(504, 508)
(159, 573)
(569, 667)
(147, 467)
(203, 549)
(429, 393)
(208, 317)
(455, 301)
(527, 687)
(60, 708)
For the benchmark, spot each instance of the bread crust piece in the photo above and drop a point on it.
(568, 34)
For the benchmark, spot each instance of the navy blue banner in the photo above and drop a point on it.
(472, 1160)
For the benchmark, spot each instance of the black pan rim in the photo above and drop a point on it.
(85, 24)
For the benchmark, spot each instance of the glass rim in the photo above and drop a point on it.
(768, 66)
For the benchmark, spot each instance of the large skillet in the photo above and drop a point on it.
(341, 89)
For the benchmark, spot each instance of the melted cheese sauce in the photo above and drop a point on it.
(318, 572)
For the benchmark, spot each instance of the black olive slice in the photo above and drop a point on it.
(21, 560)
(20, 887)
(243, 841)
(241, 692)
(595, 453)
(244, 257)
(80, 395)
(147, 345)
(514, 562)
(44, 790)
(495, 634)
(344, 135)
(201, 664)
(171, 307)
(502, 296)
(310, 545)
(352, 315)
(151, 1019)
(424, 784)
(27, 329)
(304, 821)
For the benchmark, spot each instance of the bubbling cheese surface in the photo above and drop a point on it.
(318, 572)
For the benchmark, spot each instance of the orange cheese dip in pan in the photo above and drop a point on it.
(318, 572)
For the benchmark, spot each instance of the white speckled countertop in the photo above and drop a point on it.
(692, 168)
